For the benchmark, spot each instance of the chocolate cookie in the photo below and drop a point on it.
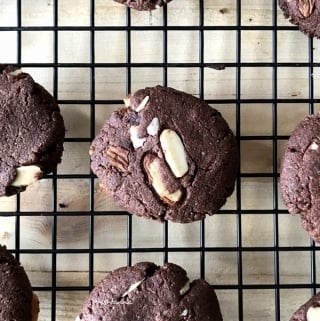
(31, 131)
(143, 4)
(303, 13)
(17, 301)
(151, 293)
(310, 311)
(167, 156)
(300, 174)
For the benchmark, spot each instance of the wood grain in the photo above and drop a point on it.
(72, 233)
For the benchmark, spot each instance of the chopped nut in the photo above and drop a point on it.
(306, 7)
(132, 287)
(118, 157)
(136, 141)
(313, 146)
(184, 313)
(16, 72)
(154, 168)
(313, 314)
(77, 319)
(185, 288)
(142, 104)
(27, 175)
(127, 101)
(153, 127)
(174, 152)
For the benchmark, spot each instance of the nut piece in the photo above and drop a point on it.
(132, 287)
(127, 101)
(118, 157)
(142, 104)
(185, 288)
(35, 307)
(174, 152)
(16, 72)
(306, 7)
(313, 146)
(27, 175)
(77, 319)
(153, 127)
(136, 141)
(154, 169)
(313, 314)
(184, 313)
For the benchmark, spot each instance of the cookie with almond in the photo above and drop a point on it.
(303, 13)
(167, 156)
(149, 292)
(31, 130)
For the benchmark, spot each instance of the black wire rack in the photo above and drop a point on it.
(239, 296)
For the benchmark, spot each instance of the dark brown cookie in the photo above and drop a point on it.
(168, 156)
(17, 301)
(151, 293)
(310, 311)
(300, 174)
(31, 131)
(143, 4)
(303, 13)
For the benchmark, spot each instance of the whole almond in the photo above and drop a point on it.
(174, 152)
(154, 169)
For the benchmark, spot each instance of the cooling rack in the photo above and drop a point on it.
(244, 59)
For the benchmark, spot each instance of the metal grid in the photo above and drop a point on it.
(240, 287)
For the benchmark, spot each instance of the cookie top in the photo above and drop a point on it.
(303, 13)
(31, 131)
(300, 174)
(310, 311)
(167, 156)
(143, 4)
(151, 293)
(15, 290)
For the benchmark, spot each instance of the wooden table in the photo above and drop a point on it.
(39, 233)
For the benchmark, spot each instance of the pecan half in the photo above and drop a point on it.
(118, 157)
(306, 7)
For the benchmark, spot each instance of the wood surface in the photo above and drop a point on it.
(73, 232)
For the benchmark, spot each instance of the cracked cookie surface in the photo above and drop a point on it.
(303, 13)
(300, 174)
(167, 156)
(143, 4)
(148, 292)
(31, 130)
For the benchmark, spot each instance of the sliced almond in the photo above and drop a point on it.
(174, 152)
(143, 104)
(132, 287)
(27, 175)
(185, 288)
